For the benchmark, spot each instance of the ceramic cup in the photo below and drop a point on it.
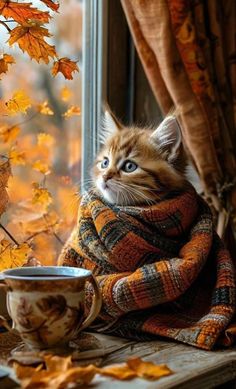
(46, 304)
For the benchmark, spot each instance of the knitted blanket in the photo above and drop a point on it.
(162, 269)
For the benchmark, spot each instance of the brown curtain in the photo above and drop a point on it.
(187, 48)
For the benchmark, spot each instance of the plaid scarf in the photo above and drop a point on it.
(162, 269)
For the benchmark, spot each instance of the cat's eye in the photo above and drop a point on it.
(105, 163)
(129, 166)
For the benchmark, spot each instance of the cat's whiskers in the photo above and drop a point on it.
(134, 193)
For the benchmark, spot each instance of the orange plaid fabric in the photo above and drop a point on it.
(162, 269)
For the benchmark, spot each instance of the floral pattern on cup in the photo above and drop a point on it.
(47, 321)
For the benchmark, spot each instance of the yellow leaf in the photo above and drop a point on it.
(45, 139)
(41, 167)
(5, 61)
(19, 102)
(45, 109)
(60, 373)
(120, 372)
(66, 93)
(12, 255)
(72, 111)
(148, 370)
(41, 195)
(8, 134)
(17, 157)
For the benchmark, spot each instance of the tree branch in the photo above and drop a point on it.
(9, 234)
(5, 25)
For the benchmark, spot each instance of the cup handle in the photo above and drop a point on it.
(96, 304)
(3, 320)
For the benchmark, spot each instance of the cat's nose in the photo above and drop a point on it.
(107, 176)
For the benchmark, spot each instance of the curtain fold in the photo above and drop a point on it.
(187, 48)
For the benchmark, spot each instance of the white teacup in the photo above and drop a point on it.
(46, 304)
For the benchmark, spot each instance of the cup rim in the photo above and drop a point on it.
(26, 273)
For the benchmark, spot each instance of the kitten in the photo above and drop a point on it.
(135, 166)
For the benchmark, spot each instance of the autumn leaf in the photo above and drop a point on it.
(12, 255)
(41, 167)
(60, 373)
(22, 12)
(5, 61)
(3, 108)
(51, 4)
(66, 67)
(41, 195)
(30, 38)
(72, 111)
(5, 171)
(45, 109)
(19, 103)
(66, 93)
(17, 157)
(148, 370)
(8, 134)
(120, 372)
(44, 139)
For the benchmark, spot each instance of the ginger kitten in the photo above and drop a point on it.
(135, 166)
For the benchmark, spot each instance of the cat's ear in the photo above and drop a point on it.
(168, 137)
(110, 125)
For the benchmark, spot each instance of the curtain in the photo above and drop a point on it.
(187, 49)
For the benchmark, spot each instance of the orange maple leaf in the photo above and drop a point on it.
(72, 111)
(22, 12)
(66, 67)
(51, 4)
(5, 61)
(30, 38)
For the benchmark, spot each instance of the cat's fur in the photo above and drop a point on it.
(157, 153)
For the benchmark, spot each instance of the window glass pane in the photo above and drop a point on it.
(48, 141)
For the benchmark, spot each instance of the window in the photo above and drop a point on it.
(109, 72)
(45, 151)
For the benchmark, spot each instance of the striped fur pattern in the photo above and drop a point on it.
(162, 269)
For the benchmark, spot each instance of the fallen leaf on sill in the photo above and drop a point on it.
(120, 372)
(148, 370)
(60, 373)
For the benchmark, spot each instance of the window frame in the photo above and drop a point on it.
(94, 80)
